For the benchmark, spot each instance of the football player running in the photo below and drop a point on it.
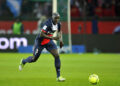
(45, 40)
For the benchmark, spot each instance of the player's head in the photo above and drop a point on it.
(55, 17)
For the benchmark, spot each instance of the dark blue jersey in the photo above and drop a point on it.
(48, 28)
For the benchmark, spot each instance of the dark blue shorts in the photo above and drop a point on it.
(38, 48)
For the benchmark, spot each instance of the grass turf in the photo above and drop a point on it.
(75, 68)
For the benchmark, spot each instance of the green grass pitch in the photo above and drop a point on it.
(75, 68)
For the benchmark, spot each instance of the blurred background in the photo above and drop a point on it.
(91, 31)
(94, 24)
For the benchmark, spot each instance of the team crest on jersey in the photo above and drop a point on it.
(44, 27)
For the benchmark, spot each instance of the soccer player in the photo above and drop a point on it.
(45, 40)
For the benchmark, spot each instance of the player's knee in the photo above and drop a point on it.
(56, 56)
(34, 59)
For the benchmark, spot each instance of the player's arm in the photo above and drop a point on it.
(60, 38)
(44, 31)
(49, 37)
(42, 34)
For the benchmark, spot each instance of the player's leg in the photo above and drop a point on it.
(57, 60)
(36, 53)
(52, 48)
(55, 54)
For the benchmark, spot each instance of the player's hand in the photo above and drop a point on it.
(61, 44)
(56, 38)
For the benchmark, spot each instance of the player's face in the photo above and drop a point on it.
(56, 19)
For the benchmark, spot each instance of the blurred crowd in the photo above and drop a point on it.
(29, 9)
(101, 8)
(42, 9)
(38, 9)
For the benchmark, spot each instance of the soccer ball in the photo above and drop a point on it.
(93, 79)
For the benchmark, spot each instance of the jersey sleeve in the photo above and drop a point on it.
(44, 28)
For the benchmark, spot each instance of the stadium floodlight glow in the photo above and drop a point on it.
(6, 43)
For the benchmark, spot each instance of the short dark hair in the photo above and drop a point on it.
(56, 14)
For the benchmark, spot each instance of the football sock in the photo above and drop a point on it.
(57, 66)
(29, 60)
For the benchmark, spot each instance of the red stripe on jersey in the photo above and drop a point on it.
(45, 40)
(43, 31)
